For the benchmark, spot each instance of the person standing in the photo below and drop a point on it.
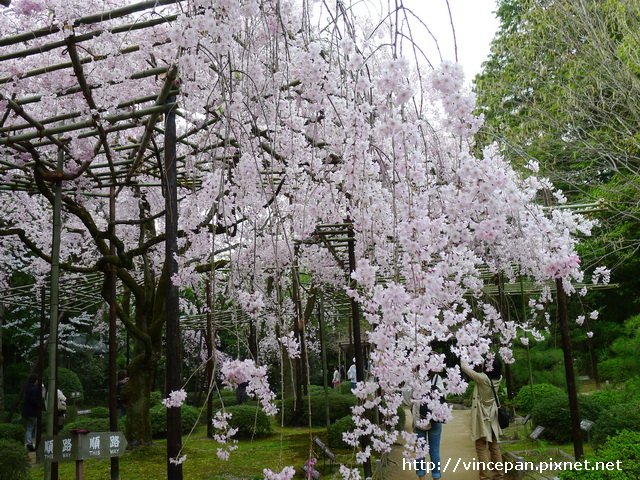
(428, 430)
(336, 378)
(351, 374)
(32, 403)
(485, 429)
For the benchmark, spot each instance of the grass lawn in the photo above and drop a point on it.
(287, 446)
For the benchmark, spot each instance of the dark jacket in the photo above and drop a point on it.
(32, 400)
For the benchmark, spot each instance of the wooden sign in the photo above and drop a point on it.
(536, 432)
(81, 446)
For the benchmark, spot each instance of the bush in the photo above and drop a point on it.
(334, 434)
(615, 419)
(614, 369)
(14, 461)
(624, 447)
(590, 408)
(88, 423)
(608, 397)
(339, 406)
(68, 382)
(155, 398)
(158, 415)
(345, 388)
(12, 431)
(251, 421)
(99, 412)
(523, 401)
(552, 412)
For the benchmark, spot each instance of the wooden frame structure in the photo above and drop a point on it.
(39, 137)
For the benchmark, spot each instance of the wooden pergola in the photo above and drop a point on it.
(130, 126)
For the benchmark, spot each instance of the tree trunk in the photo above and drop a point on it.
(1, 362)
(137, 392)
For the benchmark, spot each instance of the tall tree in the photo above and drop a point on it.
(285, 126)
(559, 89)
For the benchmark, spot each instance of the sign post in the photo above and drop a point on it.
(83, 444)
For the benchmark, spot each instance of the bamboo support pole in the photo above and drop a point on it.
(89, 19)
(47, 47)
(84, 124)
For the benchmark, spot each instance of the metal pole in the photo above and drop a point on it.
(50, 471)
(174, 434)
(357, 342)
(576, 434)
(113, 315)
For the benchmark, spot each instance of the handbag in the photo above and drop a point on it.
(503, 414)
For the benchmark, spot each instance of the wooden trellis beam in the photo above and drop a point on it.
(87, 20)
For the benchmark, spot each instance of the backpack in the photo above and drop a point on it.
(424, 408)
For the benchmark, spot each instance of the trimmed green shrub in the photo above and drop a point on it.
(158, 416)
(552, 412)
(14, 461)
(12, 431)
(334, 434)
(88, 423)
(608, 397)
(68, 382)
(319, 389)
(251, 421)
(624, 447)
(625, 416)
(99, 412)
(524, 403)
(339, 406)
(345, 388)
(155, 398)
(590, 408)
(614, 369)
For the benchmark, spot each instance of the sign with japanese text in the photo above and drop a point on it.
(81, 446)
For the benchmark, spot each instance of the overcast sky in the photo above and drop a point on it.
(475, 25)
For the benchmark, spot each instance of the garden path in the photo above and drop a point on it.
(455, 444)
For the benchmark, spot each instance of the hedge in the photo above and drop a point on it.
(99, 412)
(624, 447)
(158, 415)
(67, 382)
(552, 413)
(334, 434)
(523, 401)
(251, 421)
(14, 460)
(339, 406)
(625, 416)
(12, 431)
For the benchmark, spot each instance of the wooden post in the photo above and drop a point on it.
(51, 469)
(174, 433)
(357, 341)
(80, 470)
(113, 316)
(323, 350)
(298, 331)
(210, 360)
(576, 434)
